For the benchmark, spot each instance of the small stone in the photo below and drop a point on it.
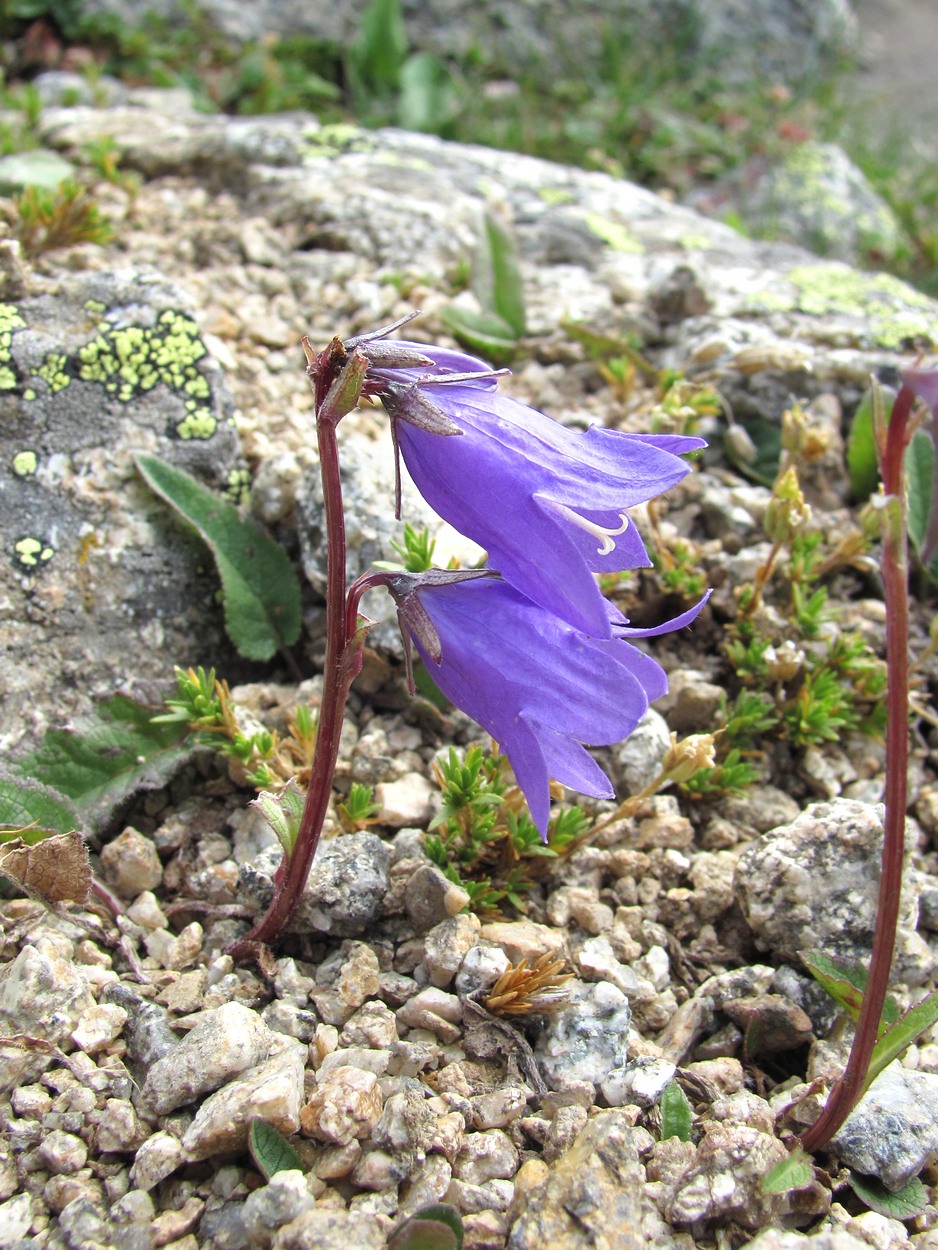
(272, 1090)
(174, 1223)
(284, 1197)
(334, 1162)
(98, 1027)
(373, 1025)
(158, 1157)
(481, 968)
(588, 1038)
(427, 1184)
(407, 801)
(365, 1058)
(431, 898)
(498, 1108)
(640, 1083)
(346, 1105)
(62, 1153)
(435, 1010)
(724, 1182)
(596, 961)
(146, 911)
(16, 1215)
(447, 944)
(131, 863)
(485, 1230)
(486, 1156)
(893, 1129)
(186, 994)
(41, 995)
(226, 1041)
(333, 1228)
(770, 1023)
(344, 981)
(591, 1196)
(83, 1224)
(523, 939)
(119, 1127)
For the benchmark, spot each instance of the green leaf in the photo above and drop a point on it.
(261, 589)
(428, 98)
(271, 1151)
(920, 479)
(27, 802)
(437, 1227)
(377, 54)
(105, 759)
(846, 983)
(794, 1172)
(676, 1113)
(485, 333)
(496, 276)
(283, 813)
(862, 464)
(900, 1035)
(908, 1202)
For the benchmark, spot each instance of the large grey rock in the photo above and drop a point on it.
(893, 1130)
(812, 885)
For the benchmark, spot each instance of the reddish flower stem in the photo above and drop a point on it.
(846, 1092)
(342, 665)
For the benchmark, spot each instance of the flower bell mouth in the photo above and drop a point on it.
(604, 534)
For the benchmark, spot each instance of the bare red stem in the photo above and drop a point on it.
(846, 1092)
(342, 664)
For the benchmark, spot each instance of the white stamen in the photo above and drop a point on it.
(605, 534)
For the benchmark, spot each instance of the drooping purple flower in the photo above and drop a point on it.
(548, 504)
(539, 686)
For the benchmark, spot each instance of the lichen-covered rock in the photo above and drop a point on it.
(42, 996)
(94, 368)
(724, 1180)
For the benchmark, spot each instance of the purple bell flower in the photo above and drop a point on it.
(548, 504)
(539, 686)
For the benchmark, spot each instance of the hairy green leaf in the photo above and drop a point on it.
(261, 589)
(485, 333)
(794, 1172)
(900, 1035)
(105, 759)
(911, 1199)
(271, 1151)
(765, 441)
(33, 811)
(920, 479)
(676, 1113)
(846, 983)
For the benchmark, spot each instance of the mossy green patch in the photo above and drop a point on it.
(338, 139)
(54, 371)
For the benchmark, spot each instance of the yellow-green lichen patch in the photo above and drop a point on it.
(53, 371)
(10, 320)
(337, 139)
(130, 360)
(25, 463)
(613, 234)
(199, 422)
(94, 306)
(32, 552)
(895, 315)
(238, 486)
(556, 195)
